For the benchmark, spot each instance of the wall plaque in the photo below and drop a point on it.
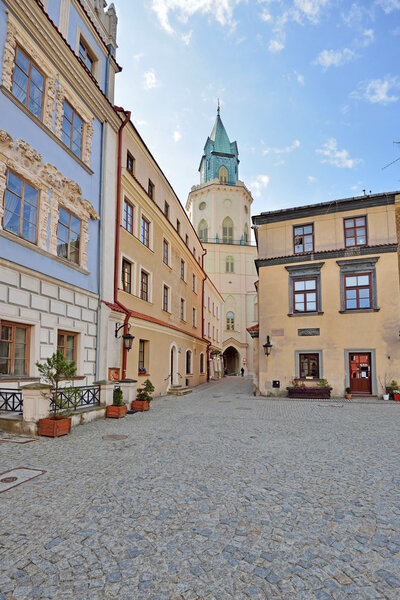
(309, 331)
(277, 332)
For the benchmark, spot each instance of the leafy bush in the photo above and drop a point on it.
(144, 393)
(52, 370)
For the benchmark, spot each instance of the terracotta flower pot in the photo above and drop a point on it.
(54, 427)
(116, 412)
(348, 396)
(140, 405)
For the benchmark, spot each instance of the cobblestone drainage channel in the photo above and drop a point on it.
(116, 437)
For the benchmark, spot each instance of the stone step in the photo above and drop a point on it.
(178, 391)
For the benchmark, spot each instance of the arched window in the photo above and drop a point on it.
(230, 321)
(223, 175)
(229, 264)
(188, 362)
(227, 231)
(203, 231)
(201, 363)
(246, 233)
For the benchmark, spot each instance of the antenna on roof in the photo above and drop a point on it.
(393, 161)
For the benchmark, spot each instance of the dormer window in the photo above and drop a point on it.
(85, 55)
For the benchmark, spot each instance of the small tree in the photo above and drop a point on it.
(144, 393)
(118, 397)
(52, 370)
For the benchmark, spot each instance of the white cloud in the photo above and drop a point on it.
(389, 5)
(334, 58)
(186, 37)
(300, 78)
(137, 57)
(368, 37)
(258, 184)
(150, 80)
(376, 90)
(311, 179)
(310, 8)
(275, 46)
(222, 11)
(293, 146)
(333, 156)
(266, 16)
(177, 136)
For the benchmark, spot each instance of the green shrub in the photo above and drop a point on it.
(118, 397)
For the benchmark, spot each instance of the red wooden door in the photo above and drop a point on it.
(360, 373)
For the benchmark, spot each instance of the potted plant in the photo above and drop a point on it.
(298, 389)
(393, 390)
(143, 397)
(348, 393)
(142, 371)
(117, 408)
(53, 370)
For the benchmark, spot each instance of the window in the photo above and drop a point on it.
(182, 310)
(144, 286)
(194, 318)
(130, 163)
(358, 291)
(229, 264)
(188, 362)
(213, 332)
(309, 365)
(230, 321)
(66, 343)
(227, 231)
(126, 275)
(305, 295)
(28, 84)
(150, 189)
(178, 226)
(143, 355)
(165, 303)
(68, 236)
(187, 240)
(213, 310)
(72, 128)
(216, 312)
(246, 233)
(194, 285)
(223, 175)
(166, 209)
(85, 55)
(355, 232)
(209, 303)
(209, 330)
(194, 251)
(165, 251)
(203, 231)
(303, 238)
(14, 348)
(202, 363)
(145, 232)
(202, 205)
(182, 269)
(127, 221)
(21, 208)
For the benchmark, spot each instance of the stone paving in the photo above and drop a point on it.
(215, 495)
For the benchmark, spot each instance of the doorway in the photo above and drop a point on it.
(231, 361)
(173, 367)
(360, 372)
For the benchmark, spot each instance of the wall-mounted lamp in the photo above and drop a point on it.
(267, 346)
(127, 337)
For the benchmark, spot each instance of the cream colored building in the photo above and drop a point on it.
(160, 279)
(329, 295)
(219, 209)
(213, 307)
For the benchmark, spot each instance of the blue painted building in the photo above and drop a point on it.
(58, 135)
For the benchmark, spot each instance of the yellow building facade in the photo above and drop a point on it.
(328, 296)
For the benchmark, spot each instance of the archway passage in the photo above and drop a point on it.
(231, 361)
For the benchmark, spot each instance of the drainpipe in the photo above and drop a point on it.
(117, 236)
(100, 245)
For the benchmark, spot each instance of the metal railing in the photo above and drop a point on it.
(213, 240)
(77, 397)
(11, 400)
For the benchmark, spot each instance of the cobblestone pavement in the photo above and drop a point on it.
(216, 495)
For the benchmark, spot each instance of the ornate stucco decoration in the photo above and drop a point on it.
(55, 190)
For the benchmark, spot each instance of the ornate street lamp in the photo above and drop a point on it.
(127, 337)
(267, 346)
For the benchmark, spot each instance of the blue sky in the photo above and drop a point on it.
(309, 89)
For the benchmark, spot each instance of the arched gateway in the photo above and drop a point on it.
(231, 360)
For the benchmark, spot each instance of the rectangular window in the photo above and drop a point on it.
(209, 329)
(309, 366)
(355, 232)
(165, 251)
(145, 232)
(21, 208)
(194, 282)
(68, 236)
(213, 311)
(126, 276)
(72, 129)
(305, 295)
(166, 209)
(66, 343)
(187, 240)
(14, 348)
(194, 319)
(358, 291)
(303, 238)
(85, 56)
(28, 84)
(127, 220)
(209, 304)
(213, 332)
(143, 355)
(178, 226)
(166, 298)
(182, 311)
(150, 189)
(144, 286)
(130, 163)
(194, 252)
(182, 270)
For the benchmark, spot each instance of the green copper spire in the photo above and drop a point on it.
(220, 159)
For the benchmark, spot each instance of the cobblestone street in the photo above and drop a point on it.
(215, 495)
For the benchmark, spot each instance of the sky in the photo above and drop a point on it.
(309, 89)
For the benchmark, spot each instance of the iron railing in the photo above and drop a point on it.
(229, 241)
(76, 397)
(11, 400)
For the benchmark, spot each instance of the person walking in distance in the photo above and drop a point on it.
(242, 371)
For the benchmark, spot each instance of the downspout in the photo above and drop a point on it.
(117, 236)
(100, 245)
(202, 319)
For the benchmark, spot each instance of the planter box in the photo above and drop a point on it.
(317, 393)
(140, 405)
(54, 427)
(115, 412)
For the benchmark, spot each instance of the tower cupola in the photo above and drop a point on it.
(220, 158)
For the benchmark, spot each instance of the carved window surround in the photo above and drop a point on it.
(56, 88)
(25, 161)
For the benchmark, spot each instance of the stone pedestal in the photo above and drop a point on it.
(36, 402)
(128, 387)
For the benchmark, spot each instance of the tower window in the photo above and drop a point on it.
(223, 175)
(203, 231)
(227, 231)
(230, 321)
(229, 264)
